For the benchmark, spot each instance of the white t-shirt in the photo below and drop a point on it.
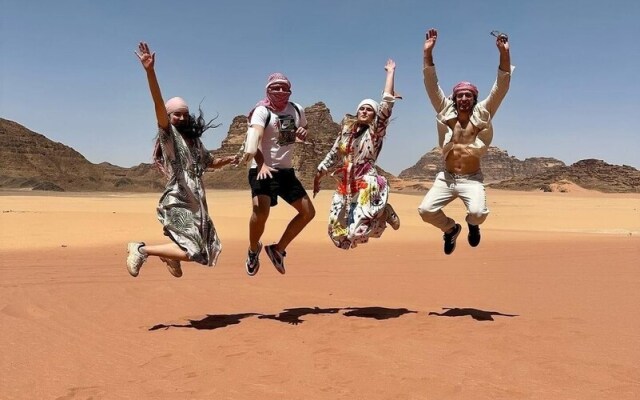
(278, 137)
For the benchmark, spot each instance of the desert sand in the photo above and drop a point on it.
(547, 307)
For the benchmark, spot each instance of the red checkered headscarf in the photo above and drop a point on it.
(275, 101)
(465, 86)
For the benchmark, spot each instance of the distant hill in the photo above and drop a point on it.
(588, 174)
(29, 160)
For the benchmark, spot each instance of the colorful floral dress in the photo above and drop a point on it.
(358, 205)
(182, 209)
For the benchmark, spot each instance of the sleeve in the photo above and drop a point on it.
(332, 156)
(384, 115)
(259, 116)
(207, 157)
(167, 144)
(498, 91)
(434, 91)
(303, 117)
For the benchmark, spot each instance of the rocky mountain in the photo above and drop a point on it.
(589, 174)
(497, 165)
(29, 160)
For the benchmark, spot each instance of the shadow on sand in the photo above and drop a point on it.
(208, 323)
(292, 316)
(478, 315)
(378, 313)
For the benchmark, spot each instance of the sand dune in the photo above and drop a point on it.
(545, 308)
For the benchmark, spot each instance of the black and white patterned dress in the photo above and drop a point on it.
(182, 209)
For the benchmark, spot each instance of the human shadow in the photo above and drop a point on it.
(294, 316)
(209, 322)
(478, 315)
(378, 313)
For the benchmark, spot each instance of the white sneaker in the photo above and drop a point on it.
(135, 259)
(392, 218)
(173, 266)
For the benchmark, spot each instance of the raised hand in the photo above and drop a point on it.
(430, 40)
(390, 65)
(147, 58)
(502, 42)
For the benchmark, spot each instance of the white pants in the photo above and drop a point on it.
(446, 188)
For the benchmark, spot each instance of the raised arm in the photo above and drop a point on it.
(429, 44)
(390, 67)
(148, 59)
(434, 91)
(502, 83)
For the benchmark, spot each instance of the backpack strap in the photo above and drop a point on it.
(296, 107)
(266, 122)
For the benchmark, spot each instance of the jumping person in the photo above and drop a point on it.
(359, 208)
(275, 124)
(464, 134)
(182, 158)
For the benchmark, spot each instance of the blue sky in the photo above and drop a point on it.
(68, 70)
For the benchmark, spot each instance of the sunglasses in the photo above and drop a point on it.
(499, 34)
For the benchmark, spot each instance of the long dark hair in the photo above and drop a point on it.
(197, 125)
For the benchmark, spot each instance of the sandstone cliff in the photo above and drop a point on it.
(322, 133)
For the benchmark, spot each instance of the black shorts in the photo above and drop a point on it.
(284, 184)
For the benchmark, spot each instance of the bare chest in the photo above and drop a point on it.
(463, 132)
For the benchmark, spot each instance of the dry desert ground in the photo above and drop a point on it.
(547, 307)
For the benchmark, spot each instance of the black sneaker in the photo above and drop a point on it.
(450, 239)
(474, 235)
(276, 257)
(253, 261)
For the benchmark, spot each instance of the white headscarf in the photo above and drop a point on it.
(370, 102)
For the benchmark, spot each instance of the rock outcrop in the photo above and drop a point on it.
(322, 131)
(497, 165)
(29, 160)
(589, 174)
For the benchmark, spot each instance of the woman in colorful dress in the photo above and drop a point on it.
(359, 208)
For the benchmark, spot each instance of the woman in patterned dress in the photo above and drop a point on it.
(359, 208)
(182, 158)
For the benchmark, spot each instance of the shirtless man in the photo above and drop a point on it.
(464, 134)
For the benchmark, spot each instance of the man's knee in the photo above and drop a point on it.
(306, 210)
(476, 217)
(426, 214)
(309, 212)
(260, 214)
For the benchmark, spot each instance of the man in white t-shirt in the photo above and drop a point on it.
(275, 124)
